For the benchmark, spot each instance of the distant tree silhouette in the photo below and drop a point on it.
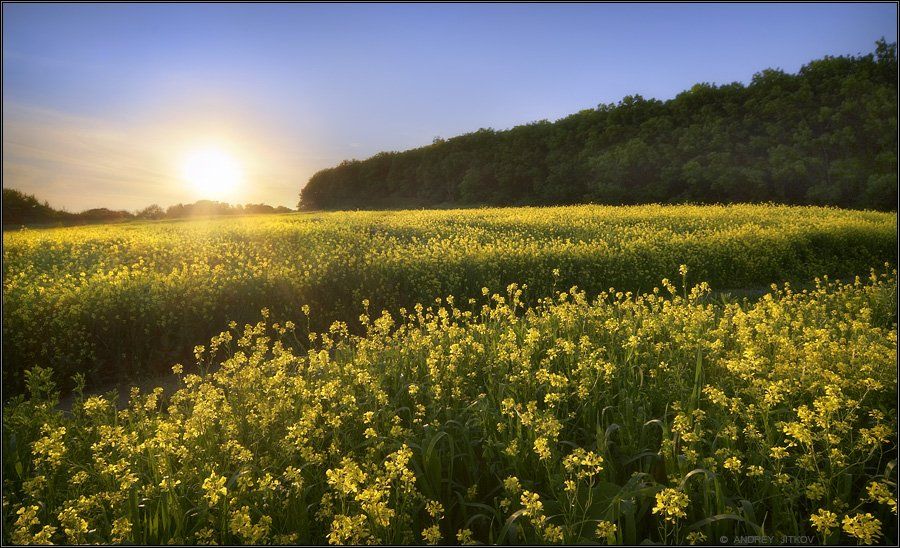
(25, 209)
(20, 208)
(152, 212)
(102, 215)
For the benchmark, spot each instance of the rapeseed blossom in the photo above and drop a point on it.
(671, 504)
(214, 487)
(864, 527)
(287, 438)
(824, 521)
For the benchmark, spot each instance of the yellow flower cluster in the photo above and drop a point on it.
(690, 405)
(214, 487)
(105, 300)
(584, 464)
(671, 504)
(864, 527)
(606, 531)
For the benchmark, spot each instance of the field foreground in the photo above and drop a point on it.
(667, 417)
(120, 301)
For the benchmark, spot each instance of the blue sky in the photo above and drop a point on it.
(102, 102)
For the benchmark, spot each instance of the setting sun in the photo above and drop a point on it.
(211, 172)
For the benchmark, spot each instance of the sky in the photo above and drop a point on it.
(105, 105)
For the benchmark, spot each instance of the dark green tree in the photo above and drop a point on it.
(826, 135)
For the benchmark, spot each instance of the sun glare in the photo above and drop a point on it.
(213, 173)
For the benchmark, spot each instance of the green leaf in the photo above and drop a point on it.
(508, 525)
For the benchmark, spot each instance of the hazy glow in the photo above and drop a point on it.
(213, 173)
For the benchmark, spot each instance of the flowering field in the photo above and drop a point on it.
(530, 412)
(124, 300)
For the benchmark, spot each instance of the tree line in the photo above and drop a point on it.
(826, 136)
(20, 208)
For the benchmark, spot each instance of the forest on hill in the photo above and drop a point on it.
(824, 136)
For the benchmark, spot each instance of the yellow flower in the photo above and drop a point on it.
(533, 507)
(214, 487)
(542, 448)
(348, 530)
(733, 464)
(864, 527)
(815, 491)
(50, 449)
(74, 526)
(373, 505)
(205, 536)
(432, 535)
(168, 483)
(242, 526)
(695, 537)
(26, 520)
(511, 485)
(671, 503)
(121, 530)
(434, 508)
(512, 449)
(606, 530)
(754, 470)
(95, 405)
(464, 536)
(881, 493)
(44, 536)
(583, 463)
(347, 478)
(553, 534)
(824, 521)
(294, 477)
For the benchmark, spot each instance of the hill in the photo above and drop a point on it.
(824, 136)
